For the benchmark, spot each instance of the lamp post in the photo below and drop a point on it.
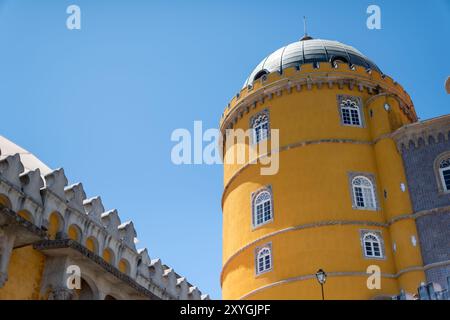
(321, 277)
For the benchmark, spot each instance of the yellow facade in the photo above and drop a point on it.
(314, 224)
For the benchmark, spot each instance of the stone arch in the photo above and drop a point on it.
(91, 244)
(25, 214)
(108, 256)
(55, 225)
(5, 202)
(110, 297)
(74, 232)
(124, 266)
(88, 290)
(431, 140)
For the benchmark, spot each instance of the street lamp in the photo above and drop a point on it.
(321, 277)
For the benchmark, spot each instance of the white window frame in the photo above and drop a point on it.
(349, 104)
(260, 128)
(263, 206)
(379, 241)
(445, 188)
(365, 191)
(266, 263)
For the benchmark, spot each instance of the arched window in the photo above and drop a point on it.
(262, 208)
(444, 174)
(263, 260)
(372, 245)
(260, 126)
(363, 193)
(350, 113)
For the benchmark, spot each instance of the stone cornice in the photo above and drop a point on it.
(321, 79)
(68, 243)
(412, 133)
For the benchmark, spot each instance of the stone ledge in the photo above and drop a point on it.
(68, 243)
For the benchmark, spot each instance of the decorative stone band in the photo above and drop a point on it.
(68, 243)
(288, 147)
(302, 227)
(309, 80)
(334, 223)
(440, 210)
(331, 274)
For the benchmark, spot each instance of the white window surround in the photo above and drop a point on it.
(444, 174)
(262, 207)
(350, 111)
(372, 244)
(363, 193)
(260, 124)
(263, 259)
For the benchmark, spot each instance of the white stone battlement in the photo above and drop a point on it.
(27, 191)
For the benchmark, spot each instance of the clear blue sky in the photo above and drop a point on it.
(102, 102)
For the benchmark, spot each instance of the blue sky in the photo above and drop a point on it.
(103, 101)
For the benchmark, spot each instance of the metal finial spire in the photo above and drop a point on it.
(305, 37)
(304, 26)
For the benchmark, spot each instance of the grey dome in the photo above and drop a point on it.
(309, 50)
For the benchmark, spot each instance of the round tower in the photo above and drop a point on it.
(338, 199)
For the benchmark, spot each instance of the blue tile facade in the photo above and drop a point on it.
(433, 229)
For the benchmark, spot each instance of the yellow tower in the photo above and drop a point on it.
(339, 200)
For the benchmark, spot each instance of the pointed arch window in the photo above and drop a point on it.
(263, 259)
(444, 173)
(260, 125)
(372, 245)
(262, 207)
(363, 193)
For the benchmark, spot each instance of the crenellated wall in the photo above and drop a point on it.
(59, 226)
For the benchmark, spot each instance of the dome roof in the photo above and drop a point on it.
(29, 161)
(309, 50)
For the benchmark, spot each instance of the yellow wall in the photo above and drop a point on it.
(24, 275)
(312, 187)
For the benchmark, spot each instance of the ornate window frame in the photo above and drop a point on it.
(358, 103)
(371, 178)
(253, 197)
(379, 235)
(258, 249)
(253, 119)
(438, 172)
